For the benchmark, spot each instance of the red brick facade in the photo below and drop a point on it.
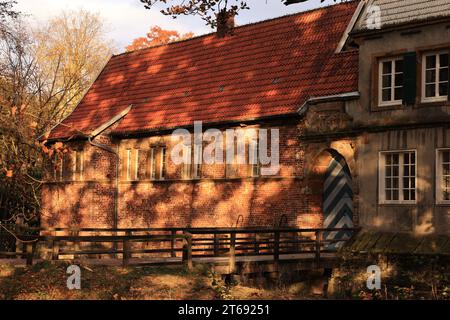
(259, 77)
(214, 200)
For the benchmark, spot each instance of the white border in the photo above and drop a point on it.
(382, 103)
(422, 80)
(382, 174)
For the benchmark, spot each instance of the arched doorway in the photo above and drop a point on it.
(337, 206)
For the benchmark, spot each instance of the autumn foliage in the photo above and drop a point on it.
(44, 72)
(157, 36)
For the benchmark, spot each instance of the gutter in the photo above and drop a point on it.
(407, 25)
(337, 97)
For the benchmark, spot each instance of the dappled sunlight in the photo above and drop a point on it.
(425, 223)
(212, 79)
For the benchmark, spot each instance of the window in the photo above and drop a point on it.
(58, 167)
(390, 82)
(192, 167)
(435, 77)
(136, 164)
(186, 162)
(78, 165)
(197, 163)
(157, 162)
(128, 164)
(231, 160)
(162, 167)
(253, 158)
(152, 164)
(443, 176)
(398, 177)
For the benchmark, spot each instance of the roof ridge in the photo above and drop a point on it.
(344, 2)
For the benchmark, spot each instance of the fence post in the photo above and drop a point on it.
(76, 233)
(256, 237)
(126, 252)
(216, 244)
(232, 266)
(276, 249)
(24, 250)
(30, 253)
(318, 242)
(187, 251)
(173, 243)
(55, 249)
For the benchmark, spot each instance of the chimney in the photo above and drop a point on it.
(225, 23)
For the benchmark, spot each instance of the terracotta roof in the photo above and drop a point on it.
(265, 69)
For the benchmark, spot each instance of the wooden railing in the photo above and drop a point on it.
(233, 243)
(186, 245)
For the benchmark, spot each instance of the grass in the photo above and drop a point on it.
(46, 281)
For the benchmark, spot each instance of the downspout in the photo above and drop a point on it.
(116, 188)
(95, 133)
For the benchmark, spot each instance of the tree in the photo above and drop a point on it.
(157, 36)
(43, 75)
(70, 51)
(215, 13)
(6, 10)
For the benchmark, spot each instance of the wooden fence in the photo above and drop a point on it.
(178, 245)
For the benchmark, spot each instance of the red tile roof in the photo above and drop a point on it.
(265, 69)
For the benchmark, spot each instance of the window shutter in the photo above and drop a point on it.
(448, 78)
(409, 80)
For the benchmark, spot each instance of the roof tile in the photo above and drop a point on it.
(264, 69)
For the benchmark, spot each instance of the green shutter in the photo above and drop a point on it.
(409, 78)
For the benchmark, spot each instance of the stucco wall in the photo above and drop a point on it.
(394, 43)
(424, 217)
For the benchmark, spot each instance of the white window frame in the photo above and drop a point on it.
(254, 149)
(74, 165)
(81, 173)
(57, 167)
(78, 172)
(436, 98)
(197, 167)
(392, 102)
(128, 164)
(136, 164)
(152, 164)
(438, 187)
(187, 163)
(61, 169)
(382, 176)
(162, 164)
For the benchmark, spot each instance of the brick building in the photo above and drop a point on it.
(309, 75)
(119, 171)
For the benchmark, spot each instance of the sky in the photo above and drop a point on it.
(126, 20)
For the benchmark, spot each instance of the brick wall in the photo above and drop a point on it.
(215, 200)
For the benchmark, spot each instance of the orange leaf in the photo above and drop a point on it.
(9, 173)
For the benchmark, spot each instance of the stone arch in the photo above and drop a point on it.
(316, 176)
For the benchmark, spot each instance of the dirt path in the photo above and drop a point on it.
(48, 281)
